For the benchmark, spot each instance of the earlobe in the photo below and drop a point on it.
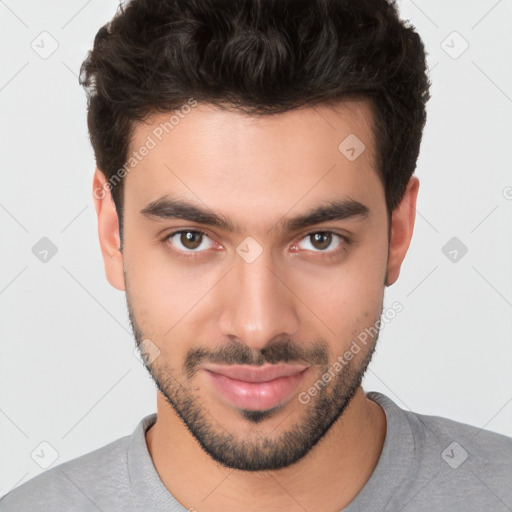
(402, 226)
(108, 231)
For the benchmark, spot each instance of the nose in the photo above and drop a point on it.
(258, 306)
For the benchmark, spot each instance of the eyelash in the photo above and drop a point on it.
(326, 255)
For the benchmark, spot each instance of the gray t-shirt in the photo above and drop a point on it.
(427, 463)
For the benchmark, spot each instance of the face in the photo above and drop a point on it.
(255, 241)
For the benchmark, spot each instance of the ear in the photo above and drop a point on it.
(402, 225)
(108, 231)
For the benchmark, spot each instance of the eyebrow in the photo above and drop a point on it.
(167, 208)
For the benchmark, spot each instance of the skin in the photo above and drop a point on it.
(257, 171)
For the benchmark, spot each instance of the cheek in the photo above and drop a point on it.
(342, 308)
(342, 300)
(166, 294)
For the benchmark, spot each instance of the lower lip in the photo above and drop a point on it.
(257, 396)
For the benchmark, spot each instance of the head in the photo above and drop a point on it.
(255, 196)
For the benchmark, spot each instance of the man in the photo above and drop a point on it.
(255, 195)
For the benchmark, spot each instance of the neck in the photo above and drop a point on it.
(336, 469)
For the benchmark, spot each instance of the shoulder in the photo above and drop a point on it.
(460, 464)
(466, 441)
(450, 465)
(460, 442)
(85, 482)
(474, 465)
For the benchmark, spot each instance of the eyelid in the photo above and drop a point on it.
(186, 253)
(344, 241)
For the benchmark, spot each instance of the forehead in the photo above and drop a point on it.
(255, 168)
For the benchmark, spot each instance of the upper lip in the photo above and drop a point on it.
(256, 373)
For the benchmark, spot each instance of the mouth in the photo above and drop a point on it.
(256, 388)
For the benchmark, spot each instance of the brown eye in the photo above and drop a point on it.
(321, 240)
(189, 240)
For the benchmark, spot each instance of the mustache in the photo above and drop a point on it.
(235, 352)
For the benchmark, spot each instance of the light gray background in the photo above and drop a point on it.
(68, 375)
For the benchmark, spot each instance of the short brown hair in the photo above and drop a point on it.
(262, 57)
